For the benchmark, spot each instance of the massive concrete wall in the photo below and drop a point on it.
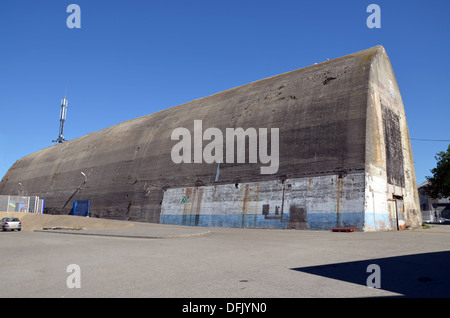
(336, 165)
(391, 188)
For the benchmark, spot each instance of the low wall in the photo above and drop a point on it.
(34, 221)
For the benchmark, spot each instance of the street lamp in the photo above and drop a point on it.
(85, 180)
(84, 175)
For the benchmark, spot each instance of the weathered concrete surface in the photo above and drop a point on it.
(389, 160)
(337, 119)
(321, 202)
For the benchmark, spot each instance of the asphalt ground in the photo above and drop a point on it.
(163, 261)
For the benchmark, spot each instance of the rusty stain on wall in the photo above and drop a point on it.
(338, 199)
(377, 130)
(244, 204)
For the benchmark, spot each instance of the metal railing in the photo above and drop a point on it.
(16, 203)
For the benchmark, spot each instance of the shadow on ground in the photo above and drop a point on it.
(415, 276)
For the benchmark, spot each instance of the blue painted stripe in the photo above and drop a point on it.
(315, 221)
(225, 220)
(328, 221)
(377, 221)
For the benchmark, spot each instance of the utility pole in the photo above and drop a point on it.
(62, 119)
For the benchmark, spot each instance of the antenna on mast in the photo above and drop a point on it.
(62, 119)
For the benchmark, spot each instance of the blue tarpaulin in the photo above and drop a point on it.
(81, 207)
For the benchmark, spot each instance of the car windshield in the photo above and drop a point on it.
(10, 220)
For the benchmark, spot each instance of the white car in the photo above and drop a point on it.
(10, 224)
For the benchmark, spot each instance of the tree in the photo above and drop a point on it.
(439, 183)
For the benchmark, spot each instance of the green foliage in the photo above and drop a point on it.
(439, 183)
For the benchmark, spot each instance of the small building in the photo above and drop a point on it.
(433, 210)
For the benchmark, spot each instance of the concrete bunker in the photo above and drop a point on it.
(345, 157)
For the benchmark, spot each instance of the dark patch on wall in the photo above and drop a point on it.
(265, 209)
(297, 218)
(393, 142)
(328, 79)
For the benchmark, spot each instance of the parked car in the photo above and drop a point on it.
(10, 224)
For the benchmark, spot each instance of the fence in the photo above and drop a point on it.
(16, 203)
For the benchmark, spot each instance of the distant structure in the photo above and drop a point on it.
(62, 119)
(345, 157)
(434, 210)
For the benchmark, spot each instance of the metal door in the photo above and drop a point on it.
(392, 209)
(400, 215)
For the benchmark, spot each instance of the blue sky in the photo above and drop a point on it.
(133, 58)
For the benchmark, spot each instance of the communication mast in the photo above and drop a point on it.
(62, 119)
